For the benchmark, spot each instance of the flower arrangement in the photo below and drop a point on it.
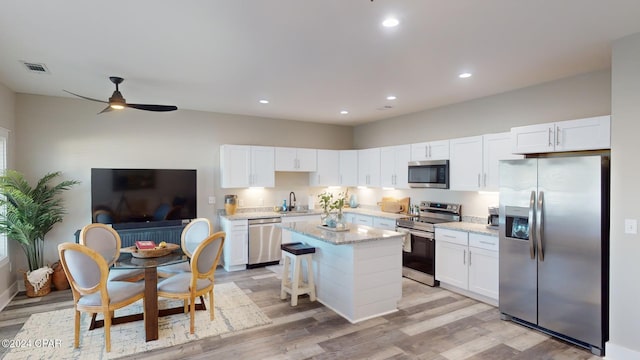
(331, 206)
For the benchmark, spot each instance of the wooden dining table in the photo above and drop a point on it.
(150, 266)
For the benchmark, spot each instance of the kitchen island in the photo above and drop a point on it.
(358, 273)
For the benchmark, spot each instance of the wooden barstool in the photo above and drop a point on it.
(295, 285)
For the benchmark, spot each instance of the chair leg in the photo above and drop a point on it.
(211, 309)
(107, 330)
(186, 305)
(192, 315)
(285, 276)
(76, 340)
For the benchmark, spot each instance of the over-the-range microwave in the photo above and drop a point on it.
(429, 174)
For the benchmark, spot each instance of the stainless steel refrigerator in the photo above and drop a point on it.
(554, 246)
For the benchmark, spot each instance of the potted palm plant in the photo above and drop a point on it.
(27, 215)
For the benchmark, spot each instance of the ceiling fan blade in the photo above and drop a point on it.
(84, 97)
(107, 109)
(153, 107)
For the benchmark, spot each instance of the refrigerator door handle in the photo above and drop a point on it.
(539, 225)
(532, 204)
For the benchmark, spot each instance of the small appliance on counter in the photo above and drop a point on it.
(492, 220)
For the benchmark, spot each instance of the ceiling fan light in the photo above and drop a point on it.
(117, 106)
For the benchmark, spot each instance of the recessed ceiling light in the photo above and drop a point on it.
(464, 75)
(344, 112)
(390, 22)
(264, 101)
(391, 97)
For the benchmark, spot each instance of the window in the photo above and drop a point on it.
(4, 135)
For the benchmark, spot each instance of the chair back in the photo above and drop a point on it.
(103, 217)
(193, 234)
(206, 257)
(103, 239)
(85, 268)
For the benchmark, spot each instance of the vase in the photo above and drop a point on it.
(324, 218)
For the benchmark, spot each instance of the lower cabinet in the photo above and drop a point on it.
(468, 261)
(235, 251)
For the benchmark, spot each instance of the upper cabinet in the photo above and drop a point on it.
(495, 147)
(465, 163)
(573, 135)
(434, 150)
(348, 168)
(328, 169)
(296, 159)
(246, 166)
(474, 163)
(369, 167)
(393, 166)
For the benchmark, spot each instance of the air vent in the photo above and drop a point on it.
(386, 107)
(36, 68)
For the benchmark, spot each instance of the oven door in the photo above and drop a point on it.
(419, 261)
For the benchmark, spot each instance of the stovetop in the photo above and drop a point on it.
(431, 213)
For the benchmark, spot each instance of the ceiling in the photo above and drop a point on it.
(310, 59)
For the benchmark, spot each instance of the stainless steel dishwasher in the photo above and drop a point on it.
(264, 242)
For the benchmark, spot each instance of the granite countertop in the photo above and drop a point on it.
(268, 214)
(356, 233)
(468, 227)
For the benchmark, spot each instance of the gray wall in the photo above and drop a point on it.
(571, 98)
(54, 133)
(7, 121)
(625, 193)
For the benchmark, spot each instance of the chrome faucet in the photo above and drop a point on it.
(292, 203)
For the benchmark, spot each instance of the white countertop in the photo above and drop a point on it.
(469, 227)
(268, 214)
(356, 233)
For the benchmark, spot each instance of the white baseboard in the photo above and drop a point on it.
(8, 294)
(617, 352)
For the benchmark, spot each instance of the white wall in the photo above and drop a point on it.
(66, 134)
(625, 191)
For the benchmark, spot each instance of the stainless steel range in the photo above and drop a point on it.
(419, 255)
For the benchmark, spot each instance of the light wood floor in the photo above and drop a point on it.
(432, 323)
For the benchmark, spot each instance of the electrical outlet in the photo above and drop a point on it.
(240, 202)
(630, 226)
(261, 202)
(212, 200)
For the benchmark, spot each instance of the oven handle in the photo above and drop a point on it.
(424, 234)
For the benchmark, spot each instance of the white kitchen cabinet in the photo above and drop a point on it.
(295, 159)
(468, 261)
(286, 234)
(483, 265)
(475, 160)
(360, 219)
(246, 166)
(451, 257)
(348, 167)
(328, 169)
(393, 166)
(235, 251)
(572, 135)
(465, 164)
(434, 150)
(369, 167)
(384, 223)
(495, 147)
(349, 217)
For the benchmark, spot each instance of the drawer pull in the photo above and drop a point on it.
(487, 243)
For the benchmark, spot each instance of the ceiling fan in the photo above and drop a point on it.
(117, 101)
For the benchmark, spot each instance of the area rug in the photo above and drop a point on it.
(49, 335)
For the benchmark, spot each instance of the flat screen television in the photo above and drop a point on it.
(143, 197)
